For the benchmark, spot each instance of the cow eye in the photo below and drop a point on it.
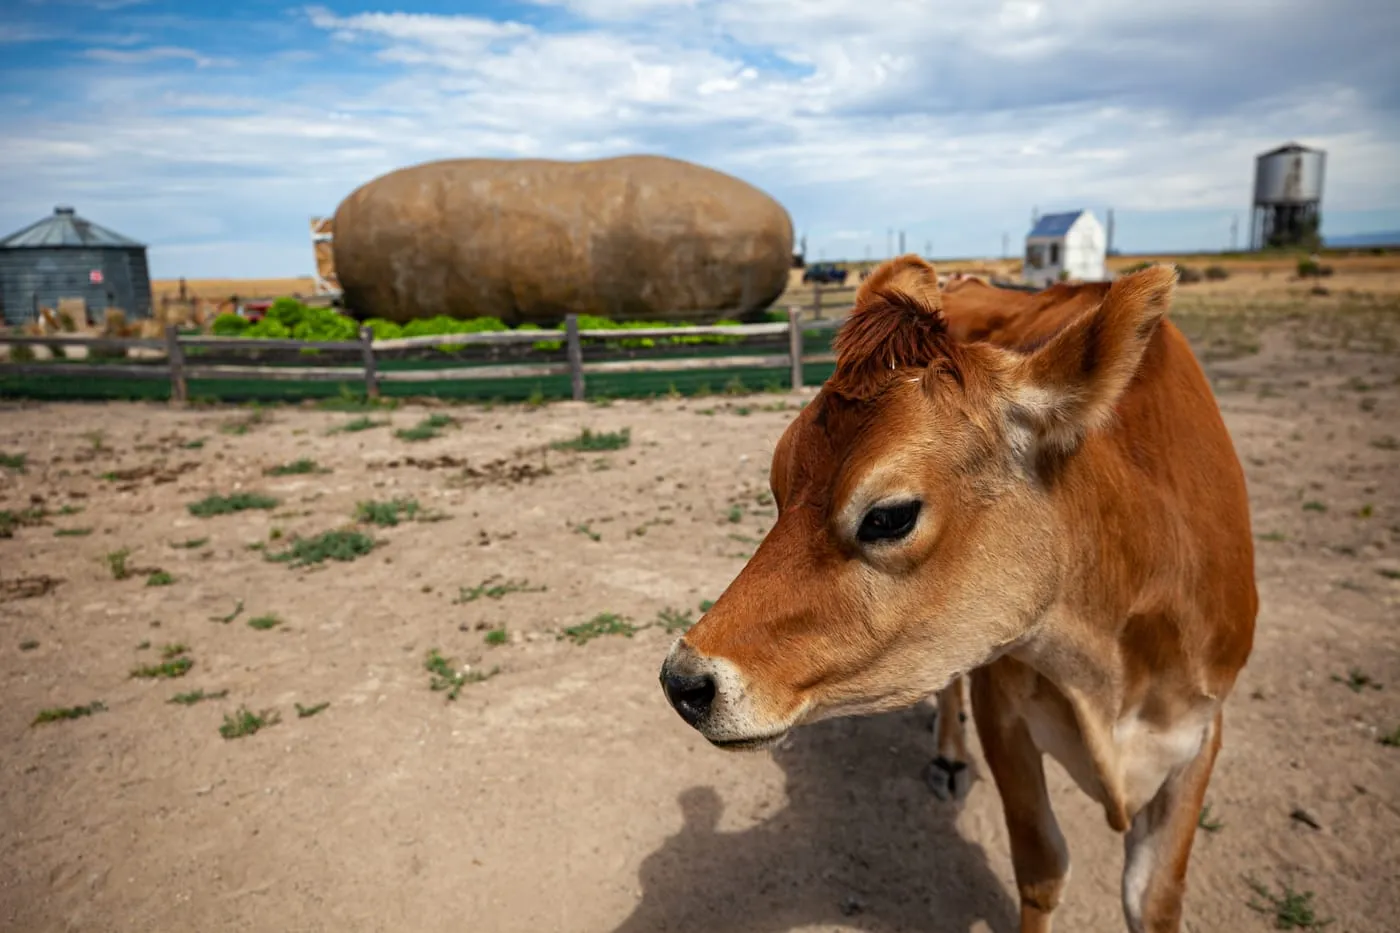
(889, 522)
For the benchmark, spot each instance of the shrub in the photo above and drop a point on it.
(1311, 268)
(269, 329)
(384, 330)
(1188, 275)
(229, 325)
(1216, 273)
(21, 353)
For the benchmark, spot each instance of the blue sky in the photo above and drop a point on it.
(214, 132)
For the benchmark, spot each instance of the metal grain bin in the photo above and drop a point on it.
(66, 257)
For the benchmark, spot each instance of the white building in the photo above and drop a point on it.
(1067, 246)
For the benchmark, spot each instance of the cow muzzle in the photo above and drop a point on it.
(711, 696)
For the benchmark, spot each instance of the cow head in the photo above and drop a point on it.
(917, 534)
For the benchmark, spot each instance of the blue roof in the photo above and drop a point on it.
(1055, 224)
(65, 228)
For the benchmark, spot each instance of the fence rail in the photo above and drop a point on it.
(179, 368)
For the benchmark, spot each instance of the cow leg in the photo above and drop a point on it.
(948, 775)
(1038, 851)
(1158, 844)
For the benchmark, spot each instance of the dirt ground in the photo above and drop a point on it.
(562, 794)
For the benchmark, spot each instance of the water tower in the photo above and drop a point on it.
(1287, 197)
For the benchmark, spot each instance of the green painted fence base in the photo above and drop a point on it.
(599, 385)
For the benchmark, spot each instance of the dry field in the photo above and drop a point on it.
(557, 792)
(220, 290)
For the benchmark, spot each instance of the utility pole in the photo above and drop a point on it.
(1234, 230)
(1108, 250)
(901, 242)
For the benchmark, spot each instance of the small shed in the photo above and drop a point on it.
(66, 258)
(1065, 246)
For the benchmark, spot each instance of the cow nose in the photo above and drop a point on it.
(691, 694)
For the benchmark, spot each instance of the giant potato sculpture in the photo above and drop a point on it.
(528, 241)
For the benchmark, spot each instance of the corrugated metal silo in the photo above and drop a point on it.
(66, 257)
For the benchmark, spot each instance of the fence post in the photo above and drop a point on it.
(175, 358)
(795, 345)
(367, 355)
(817, 300)
(575, 348)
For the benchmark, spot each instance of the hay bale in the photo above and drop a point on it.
(528, 241)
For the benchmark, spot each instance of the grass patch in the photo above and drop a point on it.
(1391, 739)
(72, 532)
(427, 429)
(736, 514)
(355, 425)
(491, 589)
(241, 426)
(296, 468)
(60, 713)
(674, 620)
(1388, 573)
(15, 462)
(191, 544)
(174, 650)
(196, 444)
(328, 545)
(450, 680)
(28, 645)
(588, 532)
(706, 605)
(196, 696)
(386, 514)
(11, 520)
(604, 623)
(1272, 536)
(246, 722)
(350, 401)
(1386, 443)
(116, 563)
(263, 623)
(1291, 910)
(1313, 505)
(306, 712)
(237, 611)
(1207, 822)
(166, 670)
(497, 636)
(226, 505)
(589, 441)
(1357, 680)
(159, 578)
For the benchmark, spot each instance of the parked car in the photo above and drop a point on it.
(824, 273)
(254, 311)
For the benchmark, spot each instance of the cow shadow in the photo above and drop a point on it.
(861, 843)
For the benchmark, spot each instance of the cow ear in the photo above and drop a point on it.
(1069, 386)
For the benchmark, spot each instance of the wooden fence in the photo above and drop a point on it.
(181, 367)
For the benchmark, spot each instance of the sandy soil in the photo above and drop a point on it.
(562, 794)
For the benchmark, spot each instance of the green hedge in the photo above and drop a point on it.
(289, 318)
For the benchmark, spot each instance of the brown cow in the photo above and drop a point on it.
(1062, 516)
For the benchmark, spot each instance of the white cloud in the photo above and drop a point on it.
(155, 54)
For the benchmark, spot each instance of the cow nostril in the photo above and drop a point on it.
(691, 695)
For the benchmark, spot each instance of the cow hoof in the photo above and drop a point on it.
(949, 780)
